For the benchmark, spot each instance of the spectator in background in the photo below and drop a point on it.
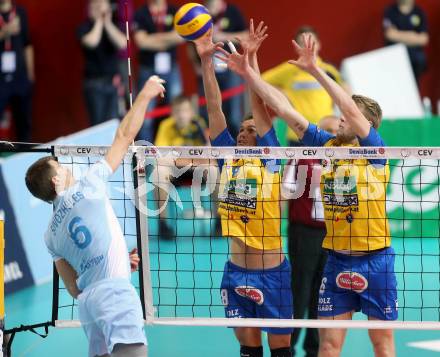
(406, 23)
(183, 128)
(306, 233)
(16, 67)
(101, 40)
(157, 42)
(229, 23)
(303, 91)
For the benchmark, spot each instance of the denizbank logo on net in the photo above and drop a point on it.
(248, 152)
(366, 152)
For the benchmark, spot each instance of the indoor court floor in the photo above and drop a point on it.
(33, 305)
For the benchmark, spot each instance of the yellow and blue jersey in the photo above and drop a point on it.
(354, 196)
(249, 195)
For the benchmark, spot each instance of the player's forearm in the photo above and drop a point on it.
(93, 37)
(116, 35)
(343, 100)
(340, 97)
(217, 121)
(278, 102)
(409, 38)
(133, 120)
(262, 118)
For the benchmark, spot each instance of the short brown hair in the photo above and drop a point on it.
(370, 108)
(248, 116)
(39, 179)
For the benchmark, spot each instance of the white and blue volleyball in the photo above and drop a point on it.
(192, 21)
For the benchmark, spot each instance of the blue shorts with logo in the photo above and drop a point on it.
(364, 283)
(267, 293)
(110, 312)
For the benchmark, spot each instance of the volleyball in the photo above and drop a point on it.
(192, 21)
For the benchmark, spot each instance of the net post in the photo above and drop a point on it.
(139, 182)
(55, 277)
(2, 280)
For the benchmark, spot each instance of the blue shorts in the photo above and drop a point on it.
(366, 283)
(267, 293)
(110, 312)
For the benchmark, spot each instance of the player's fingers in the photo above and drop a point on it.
(296, 46)
(264, 37)
(263, 31)
(251, 26)
(260, 26)
(224, 52)
(222, 58)
(295, 63)
(232, 47)
(313, 46)
(309, 40)
(134, 251)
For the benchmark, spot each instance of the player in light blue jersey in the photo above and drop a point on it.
(87, 244)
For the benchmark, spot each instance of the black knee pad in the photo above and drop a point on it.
(281, 352)
(246, 351)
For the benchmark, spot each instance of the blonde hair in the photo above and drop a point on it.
(370, 108)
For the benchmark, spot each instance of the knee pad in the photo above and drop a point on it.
(246, 351)
(281, 352)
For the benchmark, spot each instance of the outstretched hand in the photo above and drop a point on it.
(154, 87)
(234, 61)
(307, 54)
(253, 41)
(205, 47)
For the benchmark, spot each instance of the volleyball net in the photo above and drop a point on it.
(177, 190)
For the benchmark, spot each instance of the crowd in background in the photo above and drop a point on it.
(106, 96)
(104, 47)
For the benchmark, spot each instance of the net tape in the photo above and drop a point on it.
(209, 152)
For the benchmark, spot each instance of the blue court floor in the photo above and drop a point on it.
(33, 305)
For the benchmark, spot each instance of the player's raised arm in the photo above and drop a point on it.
(206, 49)
(132, 122)
(251, 44)
(349, 109)
(270, 95)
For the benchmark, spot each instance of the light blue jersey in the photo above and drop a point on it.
(85, 231)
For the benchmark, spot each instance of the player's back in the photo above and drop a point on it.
(84, 230)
